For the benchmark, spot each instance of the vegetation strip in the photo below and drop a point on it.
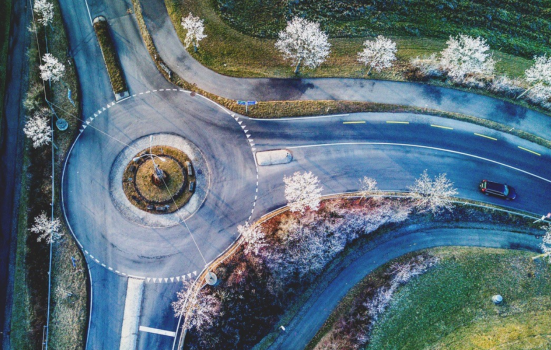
(282, 109)
(110, 55)
(68, 317)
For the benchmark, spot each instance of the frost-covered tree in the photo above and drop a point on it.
(194, 31)
(546, 242)
(37, 128)
(52, 69)
(466, 55)
(302, 191)
(253, 237)
(368, 187)
(539, 78)
(433, 195)
(303, 43)
(199, 308)
(47, 229)
(44, 11)
(378, 54)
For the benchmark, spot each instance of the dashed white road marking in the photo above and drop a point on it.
(251, 144)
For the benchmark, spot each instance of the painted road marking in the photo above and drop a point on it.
(441, 127)
(488, 137)
(157, 331)
(395, 122)
(340, 144)
(528, 150)
(355, 122)
(251, 141)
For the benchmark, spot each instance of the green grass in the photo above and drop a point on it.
(450, 308)
(231, 52)
(5, 17)
(21, 307)
(114, 68)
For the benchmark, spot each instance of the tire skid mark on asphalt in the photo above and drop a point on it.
(172, 279)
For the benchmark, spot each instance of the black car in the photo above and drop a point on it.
(498, 190)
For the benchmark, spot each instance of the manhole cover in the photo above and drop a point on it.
(61, 124)
(211, 278)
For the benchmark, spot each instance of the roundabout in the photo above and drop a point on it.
(121, 233)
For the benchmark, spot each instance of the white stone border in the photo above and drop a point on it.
(143, 218)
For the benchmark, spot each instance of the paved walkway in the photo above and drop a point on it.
(411, 94)
(317, 309)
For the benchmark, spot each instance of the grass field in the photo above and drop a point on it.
(450, 308)
(231, 52)
(5, 14)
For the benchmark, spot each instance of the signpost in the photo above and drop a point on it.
(246, 104)
(543, 217)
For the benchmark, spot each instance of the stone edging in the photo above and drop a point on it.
(140, 217)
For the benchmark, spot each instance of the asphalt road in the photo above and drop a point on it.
(309, 319)
(111, 240)
(262, 89)
(10, 167)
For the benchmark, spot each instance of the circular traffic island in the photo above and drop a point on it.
(159, 180)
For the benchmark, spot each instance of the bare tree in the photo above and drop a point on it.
(378, 54)
(433, 195)
(38, 129)
(52, 69)
(48, 230)
(44, 11)
(368, 187)
(466, 55)
(302, 191)
(194, 27)
(203, 308)
(539, 78)
(303, 42)
(254, 237)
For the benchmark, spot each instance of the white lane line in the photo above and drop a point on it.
(157, 331)
(419, 146)
(299, 118)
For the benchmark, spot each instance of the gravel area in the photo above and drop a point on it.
(140, 217)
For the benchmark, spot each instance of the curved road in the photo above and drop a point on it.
(338, 153)
(180, 61)
(310, 318)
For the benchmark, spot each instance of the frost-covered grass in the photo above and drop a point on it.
(450, 307)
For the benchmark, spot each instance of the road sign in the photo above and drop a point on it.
(246, 104)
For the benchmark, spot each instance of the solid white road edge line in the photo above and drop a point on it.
(157, 331)
(417, 146)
